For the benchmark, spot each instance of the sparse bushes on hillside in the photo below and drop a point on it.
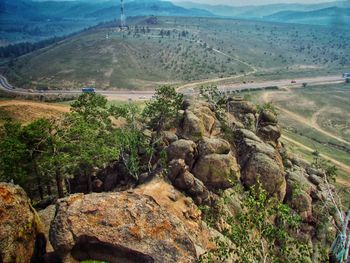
(264, 231)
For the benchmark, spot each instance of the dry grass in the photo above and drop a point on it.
(27, 111)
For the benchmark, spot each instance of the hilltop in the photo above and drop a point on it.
(174, 51)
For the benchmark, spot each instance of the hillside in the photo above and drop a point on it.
(172, 50)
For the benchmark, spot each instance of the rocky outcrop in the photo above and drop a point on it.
(182, 149)
(198, 121)
(183, 180)
(268, 128)
(306, 187)
(213, 145)
(243, 111)
(217, 171)
(19, 224)
(129, 226)
(260, 163)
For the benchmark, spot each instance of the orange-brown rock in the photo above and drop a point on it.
(19, 224)
(143, 225)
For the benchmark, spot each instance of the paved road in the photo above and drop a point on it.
(282, 83)
(187, 89)
(111, 95)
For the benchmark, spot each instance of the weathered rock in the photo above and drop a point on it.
(299, 162)
(217, 171)
(269, 133)
(299, 178)
(183, 208)
(316, 180)
(267, 117)
(260, 168)
(233, 202)
(182, 149)
(19, 224)
(183, 180)
(176, 167)
(209, 146)
(244, 112)
(243, 134)
(199, 121)
(300, 192)
(260, 162)
(299, 199)
(126, 227)
(241, 107)
(46, 217)
(312, 170)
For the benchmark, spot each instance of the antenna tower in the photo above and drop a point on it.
(122, 15)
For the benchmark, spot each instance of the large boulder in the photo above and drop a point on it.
(261, 163)
(261, 169)
(119, 227)
(182, 207)
(213, 145)
(217, 171)
(19, 224)
(182, 149)
(199, 121)
(269, 133)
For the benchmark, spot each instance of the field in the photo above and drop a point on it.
(315, 118)
(177, 51)
(26, 111)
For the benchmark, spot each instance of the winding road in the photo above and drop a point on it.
(187, 88)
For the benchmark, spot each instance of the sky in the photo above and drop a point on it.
(252, 2)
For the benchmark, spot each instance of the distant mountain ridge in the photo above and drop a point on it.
(261, 11)
(74, 9)
(333, 16)
(26, 20)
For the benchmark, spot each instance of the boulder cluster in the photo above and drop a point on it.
(159, 221)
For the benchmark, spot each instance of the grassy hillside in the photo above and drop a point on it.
(179, 50)
(27, 111)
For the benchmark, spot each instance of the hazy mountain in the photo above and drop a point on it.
(262, 10)
(333, 16)
(150, 7)
(26, 20)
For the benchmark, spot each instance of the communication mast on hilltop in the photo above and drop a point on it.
(123, 25)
